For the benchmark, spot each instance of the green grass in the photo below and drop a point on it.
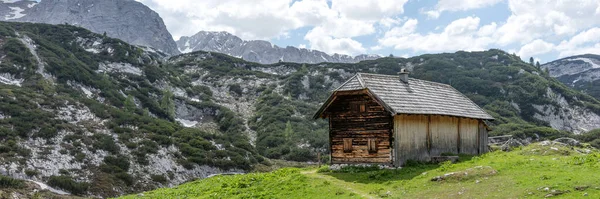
(522, 173)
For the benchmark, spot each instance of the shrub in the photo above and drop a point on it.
(158, 178)
(8, 182)
(31, 173)
(68, 184)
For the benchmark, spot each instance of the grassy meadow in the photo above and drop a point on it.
(535, 171)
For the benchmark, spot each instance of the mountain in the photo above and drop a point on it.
(260, 51)
(581, 72)
(112, 118)
(127, 20)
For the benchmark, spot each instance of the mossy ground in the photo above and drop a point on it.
(529, 172)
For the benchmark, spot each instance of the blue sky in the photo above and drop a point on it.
(543, 29)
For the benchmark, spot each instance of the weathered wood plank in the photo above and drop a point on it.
(444, 136)
(469, 129)
(359, 118)
(411, 135)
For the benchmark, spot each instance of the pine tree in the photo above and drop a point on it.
(537, 64)
(531, 61)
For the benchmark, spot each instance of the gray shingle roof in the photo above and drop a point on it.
(416, 97)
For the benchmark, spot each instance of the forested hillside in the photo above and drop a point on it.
(93, 115)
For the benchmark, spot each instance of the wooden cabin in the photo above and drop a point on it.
(386, 119)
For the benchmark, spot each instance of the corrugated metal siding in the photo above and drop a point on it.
(444, 135)
(469, 128)
(411, 134)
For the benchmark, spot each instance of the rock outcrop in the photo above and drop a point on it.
(260, 51)
(128, 20)
(581, 72)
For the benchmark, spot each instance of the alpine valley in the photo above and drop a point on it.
(96, 116)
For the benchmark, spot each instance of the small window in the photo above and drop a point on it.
(363, 108)
(347, 145)
(372, 145)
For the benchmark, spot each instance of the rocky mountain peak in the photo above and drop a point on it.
(260, 51)
(581, 72)
(128, 20)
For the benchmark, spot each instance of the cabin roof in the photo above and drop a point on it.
(415, 97)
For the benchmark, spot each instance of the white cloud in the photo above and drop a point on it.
(536, 47)
(333, 27)
(461, 34)
(458, 5)
(319, 39)
(257, 19)
(585, 42)
(370, 10)
(535, 19)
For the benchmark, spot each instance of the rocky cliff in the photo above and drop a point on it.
(581, 72)
(260, 51)
(127, 20)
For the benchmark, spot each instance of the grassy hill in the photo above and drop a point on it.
(538, 170)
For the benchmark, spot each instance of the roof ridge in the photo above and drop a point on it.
(360, 80)
(410, 78)
(347, 81)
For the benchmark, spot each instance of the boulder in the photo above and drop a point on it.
(510, 144)
(568, 141)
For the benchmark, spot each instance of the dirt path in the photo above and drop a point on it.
(338, 183)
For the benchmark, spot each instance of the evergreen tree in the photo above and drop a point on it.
(537, 64)
(531, 61)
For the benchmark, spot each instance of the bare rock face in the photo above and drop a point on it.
(581, 72)
(127, 20)
(260, 51)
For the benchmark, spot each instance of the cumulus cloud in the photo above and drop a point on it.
(458, 5)
(257, 19)
(585, 42)
(536, 47)
(370, 10)
(333, 26)
(319, 39)
(461, 34)
(541, 18)
(532, 28)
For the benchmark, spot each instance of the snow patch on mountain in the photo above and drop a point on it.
(591, 62)
(15, 13)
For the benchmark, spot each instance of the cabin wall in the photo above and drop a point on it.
(483, 138)
(359, 118)
(469, 130)
(411, 133)
(444, 135)
(419, 137)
